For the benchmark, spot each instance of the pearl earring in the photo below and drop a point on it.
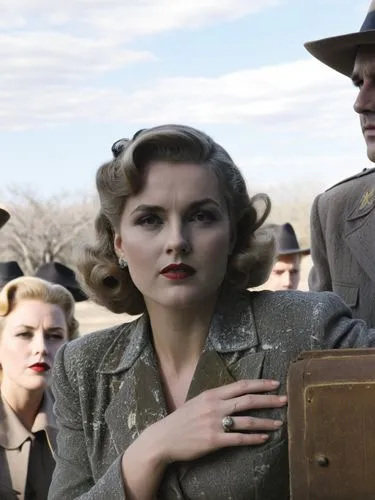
(122, 263)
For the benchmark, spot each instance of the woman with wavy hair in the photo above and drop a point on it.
(186, 401)
(36, 318)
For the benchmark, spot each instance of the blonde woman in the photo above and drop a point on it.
(36, 318)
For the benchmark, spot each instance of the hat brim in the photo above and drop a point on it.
(78, 294)
(294, 251)
(339, 52)
(4, 216)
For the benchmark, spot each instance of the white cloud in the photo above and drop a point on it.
(127, 18)
(285, 97)
(54, 54)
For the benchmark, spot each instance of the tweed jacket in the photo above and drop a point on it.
(15, 447)
(108, 390)
(343, 243)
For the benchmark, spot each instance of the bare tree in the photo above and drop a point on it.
(45, 229)
(292, 203)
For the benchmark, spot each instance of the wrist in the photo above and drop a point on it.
(145, 452)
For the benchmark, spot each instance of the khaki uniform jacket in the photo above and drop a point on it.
(108, 390)
(343, 243)
(15, 446)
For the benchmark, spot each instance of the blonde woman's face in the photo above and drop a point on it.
(175, 235)
(32, 334)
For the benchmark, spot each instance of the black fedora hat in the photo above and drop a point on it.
(286, 240)
(4, 216)
(62, 275)
(339, 52)
(9, 270)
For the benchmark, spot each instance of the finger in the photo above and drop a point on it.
(227, 439)
(251, 424)
(253, 401)
(244, 387)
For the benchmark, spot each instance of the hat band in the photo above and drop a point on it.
(369, 22)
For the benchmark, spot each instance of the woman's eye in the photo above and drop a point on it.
(203, 216)
(55, 336)
(25, 334)
(149, 220)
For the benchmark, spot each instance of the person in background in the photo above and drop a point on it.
(9, 271)
(286, 270)
(343, 218)
(36, 318)
(58, 273)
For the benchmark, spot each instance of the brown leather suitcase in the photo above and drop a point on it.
(331, 425)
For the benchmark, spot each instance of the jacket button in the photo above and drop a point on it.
(321, 460)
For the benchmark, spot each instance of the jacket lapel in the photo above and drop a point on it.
(15, 440)
(230, 352)
(45, 421)
(360, 223)
(137, 397)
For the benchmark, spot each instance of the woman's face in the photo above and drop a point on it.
(175, 235)
(32, 333)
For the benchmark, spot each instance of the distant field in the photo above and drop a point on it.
(93, 317)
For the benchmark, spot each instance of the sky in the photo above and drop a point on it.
(76, 75)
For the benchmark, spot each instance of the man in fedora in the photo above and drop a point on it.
(285, 273)
(4, 216)
(62, 275)
(343, 218)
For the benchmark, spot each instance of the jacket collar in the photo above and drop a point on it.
(13, 433)
(232, 329)
(137, 396)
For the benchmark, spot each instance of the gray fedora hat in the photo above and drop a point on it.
(286, 240)
(339, 52)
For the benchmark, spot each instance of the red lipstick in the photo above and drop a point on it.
(40, 367)
(178, 271)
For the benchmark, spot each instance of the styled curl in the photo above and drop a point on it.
(252, 257)
(32, 288)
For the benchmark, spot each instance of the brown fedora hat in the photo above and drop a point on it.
(4, 216)
(339, 52)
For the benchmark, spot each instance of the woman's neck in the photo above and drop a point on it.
(179, 335)
(24, 403)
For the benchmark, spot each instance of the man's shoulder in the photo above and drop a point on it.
(364, 176)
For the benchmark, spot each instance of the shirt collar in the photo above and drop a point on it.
(13, 433)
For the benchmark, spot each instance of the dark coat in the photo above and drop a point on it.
(343, 243)
(108, 390)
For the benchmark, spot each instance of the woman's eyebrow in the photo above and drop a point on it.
(158, 208)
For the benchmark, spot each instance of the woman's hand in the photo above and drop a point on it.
(196, 429)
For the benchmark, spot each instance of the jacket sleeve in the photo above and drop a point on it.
(72, 477)
(335, 328)
(319, 276)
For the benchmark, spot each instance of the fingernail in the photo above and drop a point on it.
(283, 399)
(264, 437)
(275, 383)
(278, 423)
